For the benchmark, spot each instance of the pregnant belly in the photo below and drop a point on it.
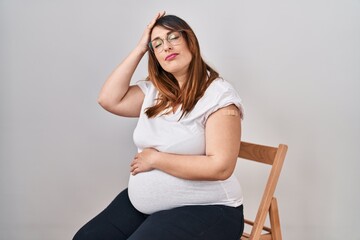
(154, 191)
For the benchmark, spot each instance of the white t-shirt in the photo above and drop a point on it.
(155, 190)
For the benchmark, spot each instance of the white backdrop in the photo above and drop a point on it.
(296, 65)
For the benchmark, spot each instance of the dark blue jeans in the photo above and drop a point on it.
(120, 221)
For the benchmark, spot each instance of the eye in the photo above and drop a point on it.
(156, 43)
(173, 36)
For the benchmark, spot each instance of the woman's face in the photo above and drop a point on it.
(171, 51)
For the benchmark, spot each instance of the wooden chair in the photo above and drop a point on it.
(273, 156)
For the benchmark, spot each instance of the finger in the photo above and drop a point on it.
(152, 22)
(133, 169)
(136, 157)
(158, 15)
(132, 163)
(163, 13)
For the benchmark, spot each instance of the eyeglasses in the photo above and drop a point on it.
(173, 38)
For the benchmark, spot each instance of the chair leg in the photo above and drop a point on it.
(275, 220)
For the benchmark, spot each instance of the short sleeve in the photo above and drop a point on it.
(222, 94)
(144, 85)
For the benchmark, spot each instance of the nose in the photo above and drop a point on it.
(167, 45)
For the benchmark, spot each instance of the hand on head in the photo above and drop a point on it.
(158, 15)
(143, 44)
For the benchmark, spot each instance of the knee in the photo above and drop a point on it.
(82, 234)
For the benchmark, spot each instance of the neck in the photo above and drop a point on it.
(181, 78)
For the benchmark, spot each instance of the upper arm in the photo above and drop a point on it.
(223, 133)
(130, 104)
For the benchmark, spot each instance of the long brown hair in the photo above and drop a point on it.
(200, 74)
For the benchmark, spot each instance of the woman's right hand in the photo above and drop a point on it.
(143, 43)
(117, 96)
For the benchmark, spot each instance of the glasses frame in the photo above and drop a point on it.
(163, 41)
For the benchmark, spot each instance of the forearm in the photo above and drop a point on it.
(194, 167)
(116, 86)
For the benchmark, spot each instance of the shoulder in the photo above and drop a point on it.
(219, 87)
(220, 94)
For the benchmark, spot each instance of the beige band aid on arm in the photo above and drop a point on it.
(231, 113)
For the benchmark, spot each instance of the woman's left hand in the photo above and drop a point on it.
(143, 161)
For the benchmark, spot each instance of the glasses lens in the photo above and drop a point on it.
(157, 45)
(174, 38)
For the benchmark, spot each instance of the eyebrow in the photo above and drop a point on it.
(167, 34)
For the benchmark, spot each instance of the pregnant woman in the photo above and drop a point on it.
(181, 185)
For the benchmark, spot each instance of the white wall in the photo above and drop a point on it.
(296, 65)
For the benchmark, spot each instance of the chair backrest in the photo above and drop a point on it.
(273, 156)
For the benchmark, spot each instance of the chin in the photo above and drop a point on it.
(172, 70)
(176, 69)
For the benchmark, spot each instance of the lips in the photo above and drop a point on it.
(171, 56)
